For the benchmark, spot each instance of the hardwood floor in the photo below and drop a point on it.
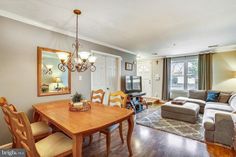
(148, 142)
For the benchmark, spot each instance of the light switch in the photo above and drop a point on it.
(80, 78)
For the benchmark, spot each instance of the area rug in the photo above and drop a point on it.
(154, 120)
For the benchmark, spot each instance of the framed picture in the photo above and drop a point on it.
(128, 66)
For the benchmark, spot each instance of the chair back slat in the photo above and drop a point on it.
(97, 96)
(118, 98)
(22, 131)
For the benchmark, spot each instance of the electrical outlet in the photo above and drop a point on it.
(80, 78)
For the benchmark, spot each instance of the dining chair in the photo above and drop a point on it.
(39, 129)
(97, 96)
(56, 144)
(117, 99)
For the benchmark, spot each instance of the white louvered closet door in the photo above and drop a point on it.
(106, 75)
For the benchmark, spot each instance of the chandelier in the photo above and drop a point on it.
(77, 61)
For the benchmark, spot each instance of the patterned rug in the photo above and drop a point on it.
(154, 120)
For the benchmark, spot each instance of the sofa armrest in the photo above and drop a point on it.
(224, 128)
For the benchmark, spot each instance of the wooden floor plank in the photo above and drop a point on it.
(148, 142)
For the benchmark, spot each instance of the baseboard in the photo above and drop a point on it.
(6, 146)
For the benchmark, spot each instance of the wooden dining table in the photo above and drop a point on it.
(80, 124)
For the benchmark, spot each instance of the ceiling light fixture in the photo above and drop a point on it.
(78, 61)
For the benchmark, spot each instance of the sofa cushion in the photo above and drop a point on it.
(209, 118)
(201, 103)
(181, 98)
(232, 102)
(197, 94)
(212, 96)
(218, 106)
(224, 97)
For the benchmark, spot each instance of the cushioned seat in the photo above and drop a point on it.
(187, 108)
(111, 128)
(40, 128)
(209, 118)
(187, 112)
(200, 102)
(54, 145)
(219, 106)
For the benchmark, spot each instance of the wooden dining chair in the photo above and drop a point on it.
(117, 99)
(39, 129)
(56, 144)
(97, 96)
(3, 102)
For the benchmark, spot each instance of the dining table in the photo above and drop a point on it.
(77, 125)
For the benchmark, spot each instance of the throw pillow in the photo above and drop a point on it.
(197, 94)
(224, 97)
(212, 96)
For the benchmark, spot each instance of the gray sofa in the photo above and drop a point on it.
(217, 120)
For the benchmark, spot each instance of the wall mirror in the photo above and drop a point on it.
(51, 80)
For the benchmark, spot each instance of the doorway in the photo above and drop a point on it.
(144, 69)
(107, 75)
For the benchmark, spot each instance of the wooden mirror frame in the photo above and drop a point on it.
(39, 73)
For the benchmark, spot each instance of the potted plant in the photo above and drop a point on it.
(77, 100)
(77, 97)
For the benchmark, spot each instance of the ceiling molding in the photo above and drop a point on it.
(54, 29)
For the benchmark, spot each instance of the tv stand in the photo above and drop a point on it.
(135, 101)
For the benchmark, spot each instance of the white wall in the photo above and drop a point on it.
(224, 64)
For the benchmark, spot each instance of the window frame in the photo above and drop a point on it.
(186, 61)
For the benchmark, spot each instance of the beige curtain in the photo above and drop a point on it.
(166, 79)
(205, 71)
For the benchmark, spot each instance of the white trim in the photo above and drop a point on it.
(106, 54)
(54, 29)
(119, 73)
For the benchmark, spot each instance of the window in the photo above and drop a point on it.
(184, 73)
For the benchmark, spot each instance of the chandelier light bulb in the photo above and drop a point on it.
(49, 66)
(63, 56)
(92, 59)
(84, 55)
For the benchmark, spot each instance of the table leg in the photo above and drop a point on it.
(36, 116)
(77, 145)
(130, 131)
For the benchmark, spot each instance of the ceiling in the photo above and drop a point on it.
(165, 27)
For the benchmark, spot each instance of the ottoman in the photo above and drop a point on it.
(187, 112)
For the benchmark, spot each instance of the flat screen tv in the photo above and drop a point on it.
(133, 84)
